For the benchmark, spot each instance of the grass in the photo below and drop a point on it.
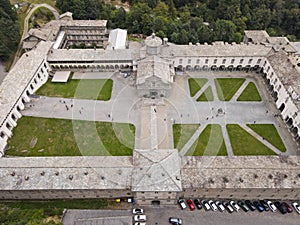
(195, 84)
(209, 143)
(227, 87)
(269, 132)
(99, 89)
(244, 143)
(182, 133)
(250, 93)
(206, 96)
(59, 137)
(47, 212)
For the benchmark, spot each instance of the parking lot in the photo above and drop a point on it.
(159, 215)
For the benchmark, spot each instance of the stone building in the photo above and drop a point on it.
(151, 176)
(154, 77)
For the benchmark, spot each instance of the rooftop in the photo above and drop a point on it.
(154, 66)
(241, 172)
(220, 50)
(156, 170)
(65, 173)
(88, 55)
(20, 76)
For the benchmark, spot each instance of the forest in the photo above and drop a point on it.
(184, 21)
(9, 30)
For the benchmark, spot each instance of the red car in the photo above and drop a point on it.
(190, 204)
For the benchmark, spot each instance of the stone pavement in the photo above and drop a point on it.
(154, 129)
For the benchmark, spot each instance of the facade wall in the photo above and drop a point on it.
(63, 194)
(198, 63)
(105, 66)
(37, 80)
(151, 86)
(242, 193)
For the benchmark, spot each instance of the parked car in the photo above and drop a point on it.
(296, 207)
(234, 205)
(272, 206)
(140, 223)
(197, 204)
(259, 207)
(281, 207)
(138, 211)
(212, 205)
(174, 220)
(140, 218)
(182, 204)
(264, 204)
(228, 207)
(243, 205)
(250, 205)
(191, 204)
(205, 205)
(289, 208)
(220, 206)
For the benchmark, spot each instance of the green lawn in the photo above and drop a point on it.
(38, 212)
(59, 137)
(206, 96)
(209, 143)
(227, 87)
(269, 132)
(99, 89)
(195, 84)
(244, 143)
(250, 93)
(182, 133)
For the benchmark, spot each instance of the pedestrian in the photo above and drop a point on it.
(108, 115)
(154, 110)
(79, 111)
(71, 105)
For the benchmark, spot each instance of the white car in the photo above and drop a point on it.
(296, 207)
(220, 206)
(205, 205)
(182, 204)
(234, 205)
(140, 223)
(272, 206)
(212, 205)
(140, 218)
(138, 211)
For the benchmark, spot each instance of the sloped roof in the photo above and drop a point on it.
(117, 39)
(156, 170)
(154, 66)
(44, 173)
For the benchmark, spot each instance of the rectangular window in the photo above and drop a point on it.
(180, 61)
(198, 61)
(232, 61)
(258, 61)
(241, 61)
(189, 61)
(250, 61)
(215, 61)
(206, 61)
(224, 61)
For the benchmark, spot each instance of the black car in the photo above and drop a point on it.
(197, 204)
(259, 207)
(264, 204)
(243, 205)
(282, 208)
(250, 205)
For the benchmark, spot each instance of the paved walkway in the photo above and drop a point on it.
(154, 123)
